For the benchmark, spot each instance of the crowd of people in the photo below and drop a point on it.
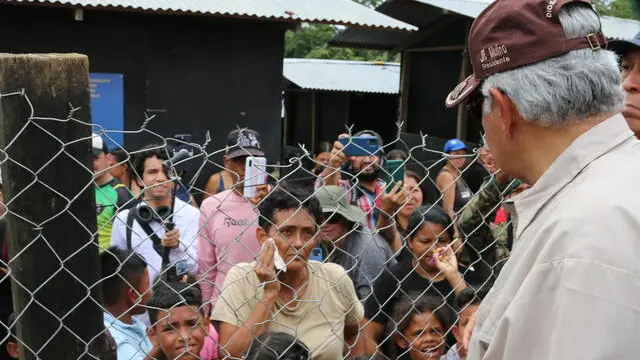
(349, 266)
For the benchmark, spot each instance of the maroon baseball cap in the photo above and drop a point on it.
(513, 33)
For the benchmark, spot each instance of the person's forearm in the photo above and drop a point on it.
(350, 338)
(389, 232)
(367, 342)
(456, 281)
(255, 326)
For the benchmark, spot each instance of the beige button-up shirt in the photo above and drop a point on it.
(571, 289)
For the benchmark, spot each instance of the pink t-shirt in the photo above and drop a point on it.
(227, 237)
(209, 350)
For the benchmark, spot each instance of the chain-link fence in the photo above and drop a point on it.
(339, 255)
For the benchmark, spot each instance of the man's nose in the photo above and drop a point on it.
(185, 333)
(632, 83)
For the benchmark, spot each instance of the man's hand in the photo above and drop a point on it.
(266, 270)
(394, 200)
(171, 239)
(468, 331)
(338, 158)
(261, 192)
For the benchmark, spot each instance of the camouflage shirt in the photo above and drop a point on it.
(475, 222)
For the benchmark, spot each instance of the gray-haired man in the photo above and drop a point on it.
(551, 113)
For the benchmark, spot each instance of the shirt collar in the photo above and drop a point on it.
(588, 147)
(110, 319)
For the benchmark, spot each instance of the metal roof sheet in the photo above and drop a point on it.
(344, 12)
(614, 28)
(339, 75)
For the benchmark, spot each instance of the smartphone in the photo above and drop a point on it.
(316, 254)
(177, 271)
(394, 172)
(255, 173)
(360, 146)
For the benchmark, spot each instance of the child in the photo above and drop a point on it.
(421, 327)
(179, 327)
(467, 303)
(277, 346)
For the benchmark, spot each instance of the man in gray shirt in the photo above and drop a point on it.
(350, 244)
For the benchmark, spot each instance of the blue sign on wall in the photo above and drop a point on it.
(107, 105)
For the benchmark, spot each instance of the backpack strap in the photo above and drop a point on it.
(129, 230)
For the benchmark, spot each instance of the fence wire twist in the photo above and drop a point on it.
(388, 265)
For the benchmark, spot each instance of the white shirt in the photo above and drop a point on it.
(186, 219)
(571, 288)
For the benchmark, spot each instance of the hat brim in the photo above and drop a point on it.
(240, 152)
(97, 152)
(622, 47)
(461, 92)
(352, 213)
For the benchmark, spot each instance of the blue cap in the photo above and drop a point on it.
(622, 47)
(454, 145)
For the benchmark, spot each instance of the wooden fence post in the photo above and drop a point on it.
(48, 188)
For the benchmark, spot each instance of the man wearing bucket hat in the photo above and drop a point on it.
(551, 113)
(629, 52)
(350, 244)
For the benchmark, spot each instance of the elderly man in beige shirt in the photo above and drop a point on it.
(551, 99)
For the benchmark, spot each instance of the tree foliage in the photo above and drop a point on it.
(626, 9)
(310, 41)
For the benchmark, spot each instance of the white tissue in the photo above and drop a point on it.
(277, 259)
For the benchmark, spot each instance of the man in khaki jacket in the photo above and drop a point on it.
(551, 100)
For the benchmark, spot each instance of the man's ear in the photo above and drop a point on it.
(132, 296)
(457, 333)
(261, 235)
(12, 350)
(151, 334)
(508, 112)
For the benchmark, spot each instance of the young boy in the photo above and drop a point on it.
(467, 303)
(178, 327)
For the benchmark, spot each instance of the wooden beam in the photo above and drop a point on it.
(465, 71)
(405, 83)
(438, 48)
(51, 216)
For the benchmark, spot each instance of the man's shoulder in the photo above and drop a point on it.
(215, 201)
(121, 216)
(327, 271)
(186, 208)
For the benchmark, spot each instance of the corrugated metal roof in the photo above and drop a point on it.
(376, 39)
(344, 12)
(338, 75)
(614, 28)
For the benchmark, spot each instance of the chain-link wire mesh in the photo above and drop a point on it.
(317, 258)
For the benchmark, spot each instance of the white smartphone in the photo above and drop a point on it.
(255, 173)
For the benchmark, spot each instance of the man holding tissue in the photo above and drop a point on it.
(315, 302)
